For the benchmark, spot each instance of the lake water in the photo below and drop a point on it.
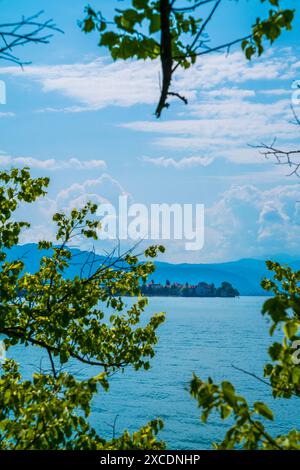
(204, 335)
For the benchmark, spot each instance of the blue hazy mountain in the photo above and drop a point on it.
(245, 274)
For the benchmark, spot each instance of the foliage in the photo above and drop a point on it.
(66, 317)
(284, 310)
(282, 374)
(44, 414)
(177, 34)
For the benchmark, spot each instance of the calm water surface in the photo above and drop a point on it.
(202, 335)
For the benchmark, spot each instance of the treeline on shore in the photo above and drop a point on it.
(202, 289)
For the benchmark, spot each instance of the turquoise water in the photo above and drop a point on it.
(202, 335)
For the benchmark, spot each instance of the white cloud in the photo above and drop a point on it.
(100, 83)
(276, 92)
(219, 69)
(225, 111)
(224, 115)
(96, 84)
(181, 164)
(102, 189)
(99, 190)
(245, 222)
(224, 126)
(52, 163)
(251, 222)
(8, 114)
(234, 93)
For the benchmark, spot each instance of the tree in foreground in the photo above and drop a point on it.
(177, 33)
(281, 374)
(66, 318)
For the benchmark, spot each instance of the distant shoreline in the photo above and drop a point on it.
(201, 289)
(199, 297)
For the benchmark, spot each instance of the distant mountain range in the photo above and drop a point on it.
(245, 274)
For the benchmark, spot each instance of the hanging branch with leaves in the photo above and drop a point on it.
(84, 319)
(177, 34)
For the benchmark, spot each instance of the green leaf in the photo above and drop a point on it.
(140, 4)
(249, 51)
(225, 411)
(89, 25)
(229, 393)
(262, 409)
(290, 328)
(154, 24)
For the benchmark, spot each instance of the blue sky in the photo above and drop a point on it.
(88, 123)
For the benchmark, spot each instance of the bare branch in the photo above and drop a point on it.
(21, 333)
(29, 30)
(265, 382)
(52, 363)
(297, 119)
(291, 158)
(192, 7)
(204, 24)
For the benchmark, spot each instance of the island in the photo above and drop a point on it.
(202, 289)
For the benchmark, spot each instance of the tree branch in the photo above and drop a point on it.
(27, 30)
(165, 55)
(265, 382)
(192, 7)
(204, 24)
(52, 363)
(282, 157)
(19, 333)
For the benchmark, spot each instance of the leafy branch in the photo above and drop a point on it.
(177, 35)
(282, 374)
(83, 318)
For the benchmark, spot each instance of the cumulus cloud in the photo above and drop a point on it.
(251, 222)
(224, 115)
(187, 162)
(100, 190)
(51, 163)
(246, 221)
(104, 189)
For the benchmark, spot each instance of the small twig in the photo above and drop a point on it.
(17, 34)
(265, 382)
(52, 363)
(192, 7)
(182, 98)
